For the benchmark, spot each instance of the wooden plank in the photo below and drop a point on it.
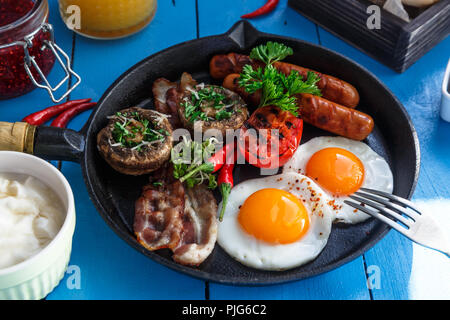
(282, 20)
(344, 283)
(419, 91)
(407, 270)
(348, 282)
(430, 271)
(107, 266)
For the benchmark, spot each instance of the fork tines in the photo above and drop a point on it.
(390, 209)
(403, 216)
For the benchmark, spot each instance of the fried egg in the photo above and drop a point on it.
(342, 166)
(276, 222)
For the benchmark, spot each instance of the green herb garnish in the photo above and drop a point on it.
(188, 158)
(206, 97)
(223, 114)
(276, 88)
(295, 85)
(271, 52)
(132, 131)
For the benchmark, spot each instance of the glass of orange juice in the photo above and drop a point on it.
(107, 19)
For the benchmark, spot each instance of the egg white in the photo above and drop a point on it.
(378, 175)
(267, 256)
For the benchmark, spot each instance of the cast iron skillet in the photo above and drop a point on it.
(114, 194)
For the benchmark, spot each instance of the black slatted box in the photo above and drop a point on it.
(397, 44)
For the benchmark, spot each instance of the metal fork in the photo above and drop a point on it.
(403, 216)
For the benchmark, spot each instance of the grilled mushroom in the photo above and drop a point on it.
(136, 141)
(210, 106)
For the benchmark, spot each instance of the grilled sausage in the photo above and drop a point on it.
(332, 88)
(330, 116)
(222, 65)
(231, 83)
(318, 112)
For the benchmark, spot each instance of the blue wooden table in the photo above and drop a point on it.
(102, 266)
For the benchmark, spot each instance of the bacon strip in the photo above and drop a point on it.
(163, 89)
(178, 218)
(157, 221)
(200, 211)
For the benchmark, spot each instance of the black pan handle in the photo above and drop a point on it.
(45, 142)
(244, 34)
(52, 143)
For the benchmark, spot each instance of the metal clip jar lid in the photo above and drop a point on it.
(30, 61)
(37, 36)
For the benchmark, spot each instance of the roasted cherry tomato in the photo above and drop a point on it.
(270, 137)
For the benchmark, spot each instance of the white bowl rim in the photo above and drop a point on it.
(445, 83)
(70, 213)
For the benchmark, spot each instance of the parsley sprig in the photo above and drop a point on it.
(271, 52)
(276, 88)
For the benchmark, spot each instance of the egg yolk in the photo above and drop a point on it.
(275, 216)
(336, 170)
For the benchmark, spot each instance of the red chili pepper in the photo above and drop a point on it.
(226, 182)
(40, 117)
(220, 157)
(268, 7)
(63, 119)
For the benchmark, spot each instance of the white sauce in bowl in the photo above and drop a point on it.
(31, 214)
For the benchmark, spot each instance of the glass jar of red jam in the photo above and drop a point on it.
(27, 49)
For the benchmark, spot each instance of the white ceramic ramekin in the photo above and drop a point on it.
(445, 102)
(37, 276)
